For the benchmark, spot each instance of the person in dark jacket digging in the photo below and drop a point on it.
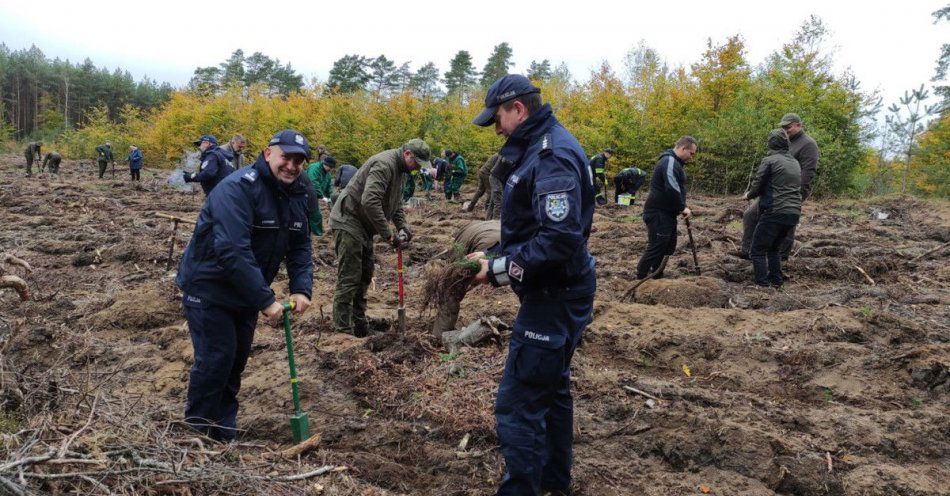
(629, 181)
(667, 200)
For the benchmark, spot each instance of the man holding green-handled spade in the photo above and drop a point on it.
(253, 220)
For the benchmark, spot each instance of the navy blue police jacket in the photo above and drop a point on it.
(547, 212)
(215, 166)
(249, 224)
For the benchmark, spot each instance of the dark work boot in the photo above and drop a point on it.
(760, 270)
(360, 329)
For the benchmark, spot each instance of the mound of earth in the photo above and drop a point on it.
(689, 292)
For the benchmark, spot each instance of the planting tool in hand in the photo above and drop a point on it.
(299, 421)
(402, 298)
(692, 245)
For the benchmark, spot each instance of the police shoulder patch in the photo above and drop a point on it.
(250, 176)
(557, 206)
(204, 164)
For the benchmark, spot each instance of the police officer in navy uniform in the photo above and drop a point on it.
(215, 164)
(547, 210)
(251, 222)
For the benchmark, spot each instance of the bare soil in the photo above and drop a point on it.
(836, 385)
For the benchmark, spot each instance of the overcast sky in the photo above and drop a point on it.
(889, 45)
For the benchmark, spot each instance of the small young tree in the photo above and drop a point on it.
(943, 63)
(908, 121)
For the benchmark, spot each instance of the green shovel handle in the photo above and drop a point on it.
(290, 354)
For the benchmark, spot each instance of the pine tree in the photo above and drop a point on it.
(349, 74)
(425, 82)
(461, 75)
(540, 71)
(497, 66)
(382, 76)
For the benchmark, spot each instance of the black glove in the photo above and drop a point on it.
(187, 176)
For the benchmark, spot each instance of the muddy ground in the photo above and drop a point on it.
(836, 385)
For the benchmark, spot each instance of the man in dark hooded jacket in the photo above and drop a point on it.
(777, 185)
(667, 199)
(802, 148)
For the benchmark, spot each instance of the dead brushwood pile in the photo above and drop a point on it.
(837, 385)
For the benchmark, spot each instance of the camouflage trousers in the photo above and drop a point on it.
(354, 272)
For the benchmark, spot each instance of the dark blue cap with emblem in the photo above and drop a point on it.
(505, 89)
(206, 137)
(291, 141)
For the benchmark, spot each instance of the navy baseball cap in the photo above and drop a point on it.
(206, 137)
(505, 89)
(291, 141)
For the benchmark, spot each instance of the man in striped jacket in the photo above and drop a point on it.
(667, 200)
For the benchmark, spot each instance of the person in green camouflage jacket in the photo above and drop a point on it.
(459, 171)
(409, 189)
(104, 156)
(32, 151)
(321, 176)
(369, 203)
(52, 159)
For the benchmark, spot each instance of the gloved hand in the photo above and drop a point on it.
(405, 233)
(188, 176)
(400, 239)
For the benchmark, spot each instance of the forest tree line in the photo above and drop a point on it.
(370, 103)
